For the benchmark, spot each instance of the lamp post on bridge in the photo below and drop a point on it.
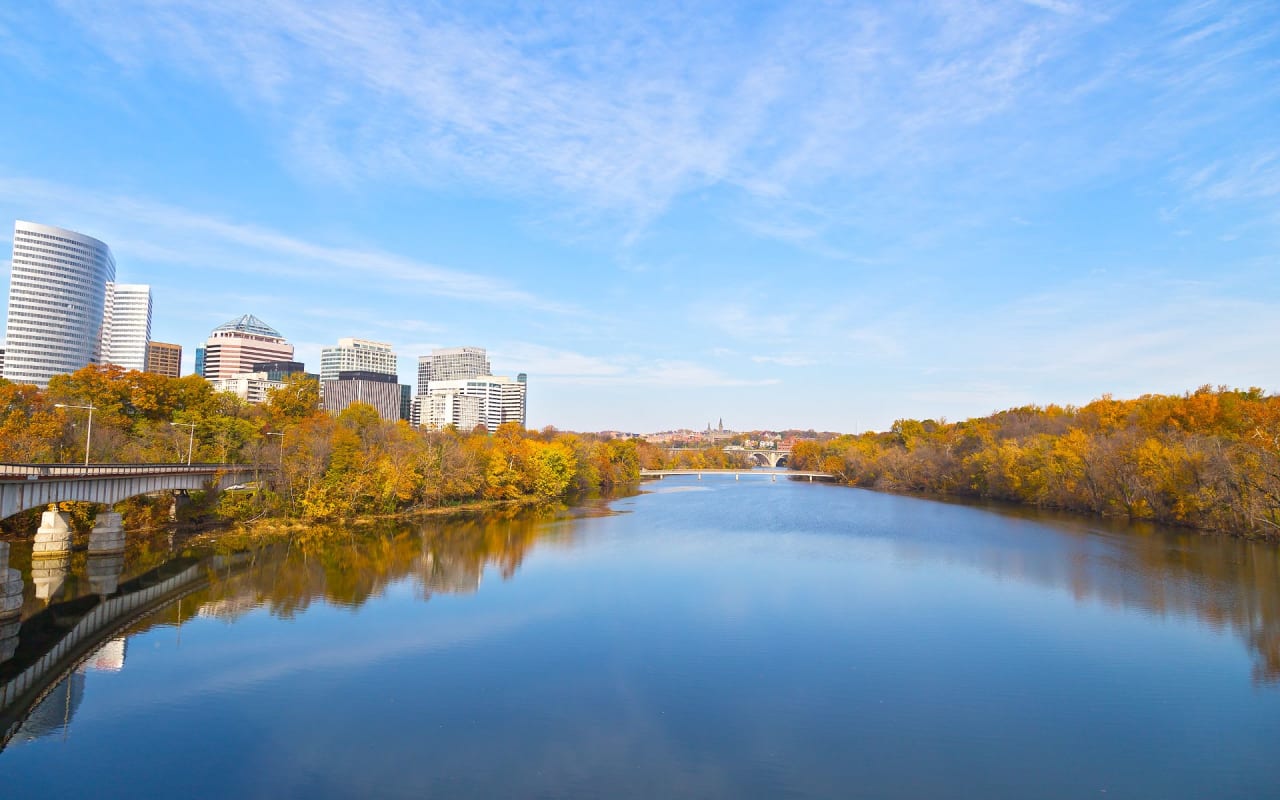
(191, 438)
(88, 433)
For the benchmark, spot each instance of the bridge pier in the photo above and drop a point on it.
(107, 535)
(53, 537)
(9, 627)
(10, 587)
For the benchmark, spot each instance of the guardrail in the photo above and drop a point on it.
(38, 471)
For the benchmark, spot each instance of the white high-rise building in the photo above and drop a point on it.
(126, 325)
(356, 355)
(57, 288)
(488, 400)
(451, 364)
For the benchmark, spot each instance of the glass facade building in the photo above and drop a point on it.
(57, 293)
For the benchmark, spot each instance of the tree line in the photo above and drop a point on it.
(315, 465)
(1209, 459)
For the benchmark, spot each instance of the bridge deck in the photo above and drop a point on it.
(27, 486)
(20, 472)
(785, 473)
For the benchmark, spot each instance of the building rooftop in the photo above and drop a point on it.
(248, 324)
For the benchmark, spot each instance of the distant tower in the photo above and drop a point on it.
(722, 424)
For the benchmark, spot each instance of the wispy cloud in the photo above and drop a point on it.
(624, 108)
(153, 231)
(568, 368)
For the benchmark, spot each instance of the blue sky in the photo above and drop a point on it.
(786, 214)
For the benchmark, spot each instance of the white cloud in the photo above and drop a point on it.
(148, 230)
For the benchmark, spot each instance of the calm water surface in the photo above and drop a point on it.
(709, 639)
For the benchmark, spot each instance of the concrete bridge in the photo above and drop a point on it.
(737, 473)
(759, 456)
(27, 486)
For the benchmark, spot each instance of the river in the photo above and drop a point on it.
(713, 638)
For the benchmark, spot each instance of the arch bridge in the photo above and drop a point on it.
(759, 456)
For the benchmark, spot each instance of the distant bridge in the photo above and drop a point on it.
(27, 486)
(760, 456)
(738, 473)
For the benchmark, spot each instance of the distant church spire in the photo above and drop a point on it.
(722, 424)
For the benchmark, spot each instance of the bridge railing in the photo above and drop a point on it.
(38, 471)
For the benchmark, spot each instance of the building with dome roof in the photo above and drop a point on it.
(235, 346)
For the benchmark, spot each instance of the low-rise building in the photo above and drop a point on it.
(164, 358)
(488, 400)
(251, 387)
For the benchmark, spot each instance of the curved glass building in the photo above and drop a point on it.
(56, 294)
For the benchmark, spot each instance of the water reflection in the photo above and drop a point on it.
(52, 715)
(340, 566)
(48, 574)
(1230, 584)
(1227, 582)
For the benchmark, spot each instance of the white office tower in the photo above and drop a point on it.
(488, 400)
(356, 355)
(126, 325)
(451, 364)
(57, 288)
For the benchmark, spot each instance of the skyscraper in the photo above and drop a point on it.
(234, 347)
(356, 355)
(126, 325)
(451, 364)
(57, 290)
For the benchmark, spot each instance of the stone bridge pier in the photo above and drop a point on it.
(10, 587)
(10, 605)
(107, 535)
(53, 537)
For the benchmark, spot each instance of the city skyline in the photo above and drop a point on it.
(802, 216)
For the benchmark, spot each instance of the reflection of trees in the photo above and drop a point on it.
(347, 566)
(1229, 583)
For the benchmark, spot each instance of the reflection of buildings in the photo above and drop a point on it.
(231, 608)
(53, 714)
(441, 573)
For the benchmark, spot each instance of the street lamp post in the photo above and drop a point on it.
(281, 435)
(280, 466)
(191, 438)
(88, 432)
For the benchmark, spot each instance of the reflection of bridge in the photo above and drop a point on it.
(58, 641)
(27, 486)
(758, 455)
(737, 473)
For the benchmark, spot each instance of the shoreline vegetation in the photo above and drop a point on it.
(1208, 459)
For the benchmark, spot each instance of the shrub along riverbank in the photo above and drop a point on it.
(1209, 459)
